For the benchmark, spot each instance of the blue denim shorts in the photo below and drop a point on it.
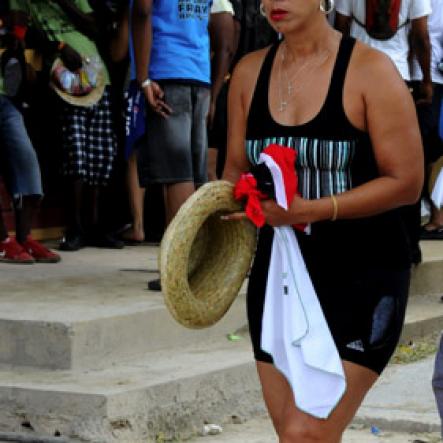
(176, 147)
(18, 160)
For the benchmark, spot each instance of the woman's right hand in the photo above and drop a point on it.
(154, 95)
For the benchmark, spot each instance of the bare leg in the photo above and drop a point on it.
(436, 219)
(136, 199)
(176, 194)
(92, 208)
(212, 164)
(292, 425)
(75, 206)
(24, 215)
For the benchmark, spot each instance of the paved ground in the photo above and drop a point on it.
(401, 401)
(260, 431)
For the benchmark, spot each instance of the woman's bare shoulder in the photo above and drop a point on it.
(249, 65)
(374, 70)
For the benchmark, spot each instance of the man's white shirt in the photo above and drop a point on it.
(435, 25)
(397, 48)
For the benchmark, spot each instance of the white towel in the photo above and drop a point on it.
(294, 330)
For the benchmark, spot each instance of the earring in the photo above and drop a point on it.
(323, 7)
(262, 10)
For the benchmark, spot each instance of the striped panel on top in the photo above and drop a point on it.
(323, 166)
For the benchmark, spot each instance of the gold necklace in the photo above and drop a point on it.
(290, 89)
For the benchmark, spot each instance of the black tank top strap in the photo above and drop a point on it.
(259, 109)
(333, 105)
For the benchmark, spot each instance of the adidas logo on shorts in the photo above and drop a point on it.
(356, 345)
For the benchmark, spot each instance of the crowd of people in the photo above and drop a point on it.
(99, 92)
(143, 85)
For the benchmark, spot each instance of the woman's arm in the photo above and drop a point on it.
(390, 118)
(241, 90)
(142, 37)
(120, 41)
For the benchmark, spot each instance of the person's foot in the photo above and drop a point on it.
(431, 231)
(100, 240)
(39, 252)
(72, 241)
(133, 236)
(13, 252)
(155, 285)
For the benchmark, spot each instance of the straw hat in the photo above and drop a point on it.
(87, 100)
(203, 259)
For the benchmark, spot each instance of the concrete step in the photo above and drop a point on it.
(424, 316)
(427, 278)
(402, 400)
(93, 310)
(170, 393)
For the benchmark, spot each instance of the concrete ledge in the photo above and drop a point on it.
(169, 394)
(424, 316)
(427, 278)
(91, 311)
(402, 400)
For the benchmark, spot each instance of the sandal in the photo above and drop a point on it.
(128, 239)
(436, 233)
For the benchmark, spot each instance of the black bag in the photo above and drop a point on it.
(382, 18)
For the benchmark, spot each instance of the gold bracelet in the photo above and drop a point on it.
(335, 208)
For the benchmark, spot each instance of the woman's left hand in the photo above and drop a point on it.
(277, 216)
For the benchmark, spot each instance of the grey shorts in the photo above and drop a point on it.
(18, 160)
(175, 150)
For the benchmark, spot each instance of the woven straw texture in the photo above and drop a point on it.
(85, 100)
(203, 259)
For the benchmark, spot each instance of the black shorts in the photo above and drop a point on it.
(365, 308)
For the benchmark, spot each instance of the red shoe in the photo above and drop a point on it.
(40, 253)
(13, 252)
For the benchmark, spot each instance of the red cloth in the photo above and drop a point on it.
(19, 32)
(246, 187)
(285, 158)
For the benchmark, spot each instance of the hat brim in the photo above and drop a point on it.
(87, 100)
(203, 259)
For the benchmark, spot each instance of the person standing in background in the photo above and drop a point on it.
(19, 164)
(430, 116)
(223, 31)
(390, 26)
(171, 51)
(68, 30)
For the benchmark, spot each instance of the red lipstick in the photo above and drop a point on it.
(278, 14)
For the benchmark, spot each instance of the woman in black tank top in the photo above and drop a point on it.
(345, 110)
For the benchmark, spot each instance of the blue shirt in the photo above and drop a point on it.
(180, 46)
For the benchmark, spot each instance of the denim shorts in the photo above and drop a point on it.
(18, 160)
(175, 150)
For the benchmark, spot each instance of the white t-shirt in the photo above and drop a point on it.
(397, 48)
(222, 6)
(435, 24)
